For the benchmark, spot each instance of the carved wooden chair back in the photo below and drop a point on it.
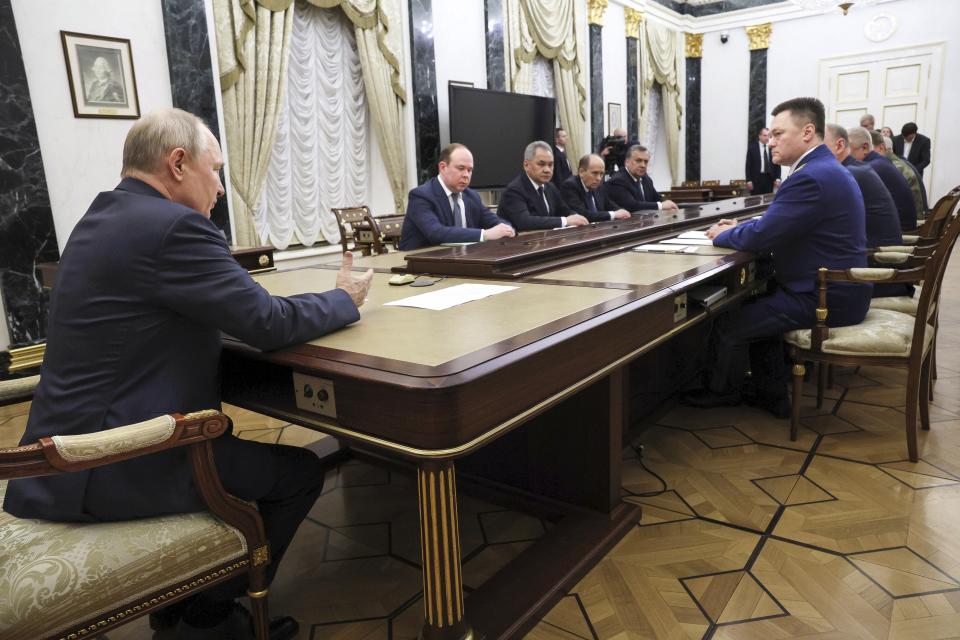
(348, 219)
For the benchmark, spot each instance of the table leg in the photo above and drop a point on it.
(440, 553)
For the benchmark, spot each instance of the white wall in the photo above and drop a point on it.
(82, 156)
(793, 71)
(459, 43)
(724, 105)
(614, 41)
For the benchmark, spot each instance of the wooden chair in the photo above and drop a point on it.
(385, 232)
(76, 580)
(738, 183)
(932, 227)
(884, 337)
(690, 183)
(348, 219)
(710, 183)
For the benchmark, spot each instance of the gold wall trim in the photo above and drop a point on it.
(595, 11)
(759, 36)
(633, 18)
(27, 357)
(693, 43)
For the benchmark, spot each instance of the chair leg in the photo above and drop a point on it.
(798, 371)
(912, 401)
(924, 395)
(821, 382)
(261, 615)
(829, 376)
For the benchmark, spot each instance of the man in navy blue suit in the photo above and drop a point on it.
(861, 146)
(584, 194)
(761, 172)
(531, 201)
(815, 220)
(145, 286)
(444, 209)
(632, 188)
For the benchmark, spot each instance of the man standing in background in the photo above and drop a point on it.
(762, 175)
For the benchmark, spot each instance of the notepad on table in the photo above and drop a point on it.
(450, 297)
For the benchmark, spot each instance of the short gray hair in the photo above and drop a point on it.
(158, 133)
(859, 136)
(838, 132)
(531, 149)
(888, 143)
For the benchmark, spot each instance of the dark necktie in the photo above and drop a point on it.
(591, 202)
(458, 218)
(640, 189)
(768, 169)
(543, 195)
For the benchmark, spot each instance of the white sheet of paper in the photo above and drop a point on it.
(697, 241)
(661, 248)
(450, 297)
(693, 235)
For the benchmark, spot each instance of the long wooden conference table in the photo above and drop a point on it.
(526, 392)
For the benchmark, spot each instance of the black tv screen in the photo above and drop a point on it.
(497, 126)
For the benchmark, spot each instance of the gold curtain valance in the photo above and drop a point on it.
(363, 14)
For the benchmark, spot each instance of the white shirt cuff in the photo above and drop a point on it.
(612, 214)
(482, 239)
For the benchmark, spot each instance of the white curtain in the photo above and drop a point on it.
(320, 154)
(660, 63)
(541, 79)
(652, 123)
(549, 28)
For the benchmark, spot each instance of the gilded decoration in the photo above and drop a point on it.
(759, 36)
(595, 10)
(634, 19)
(694, 45)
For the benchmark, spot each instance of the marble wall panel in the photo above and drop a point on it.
(496, 66)
(191, 75)
(426, 116)
(27, 234)
(633, 93)
(693, 119)
(758, 93)
(596, 85)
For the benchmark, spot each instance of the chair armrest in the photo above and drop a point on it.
(911, 239)
(17, 389)
(56, 454)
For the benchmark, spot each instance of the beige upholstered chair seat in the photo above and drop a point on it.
(56, 575)
(903, 304)
(882, 333)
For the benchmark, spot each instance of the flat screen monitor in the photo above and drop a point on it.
(497, 126)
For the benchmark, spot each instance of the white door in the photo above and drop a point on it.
(896, 86)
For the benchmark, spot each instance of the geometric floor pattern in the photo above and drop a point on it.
(744, 534)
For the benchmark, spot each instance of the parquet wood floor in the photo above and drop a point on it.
(835, 536)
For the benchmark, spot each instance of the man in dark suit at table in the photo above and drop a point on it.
(815, 220)
(561, 164)
(762, 174)
(531, 201)
(584, 194)
(144, 288)
(913, 146)
(632, 188)
(444, 209)
(861, 146)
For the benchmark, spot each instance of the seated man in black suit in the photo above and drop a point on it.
(583, 192)
(632, 188)
(561, 164)
(913, 146)
(762, 175)
(861, 146)
(445, 209)
(531, 201)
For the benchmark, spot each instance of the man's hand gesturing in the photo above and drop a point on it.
(355, 286)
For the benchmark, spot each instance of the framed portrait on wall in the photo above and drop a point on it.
(100, 72)
(614, 116)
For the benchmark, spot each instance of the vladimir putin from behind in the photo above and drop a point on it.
(444, 209)
(531, 201)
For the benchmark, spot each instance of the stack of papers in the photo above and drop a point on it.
(450, 297)
(665, 248)
(691, 238)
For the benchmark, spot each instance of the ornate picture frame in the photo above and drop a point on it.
(614, 116)
(101, 76)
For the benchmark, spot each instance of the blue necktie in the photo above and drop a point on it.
(458, 220)
(591, 202)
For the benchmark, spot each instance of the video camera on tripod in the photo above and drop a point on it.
(614, 159)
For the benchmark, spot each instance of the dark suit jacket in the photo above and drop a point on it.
(561, 166)
(762, 182)
(815, 220)
(622, 189)
(522, 206)
(143, 290)
(576, 198)
(429, 220)
(919, 151)
(883, 223)
(898, 187)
